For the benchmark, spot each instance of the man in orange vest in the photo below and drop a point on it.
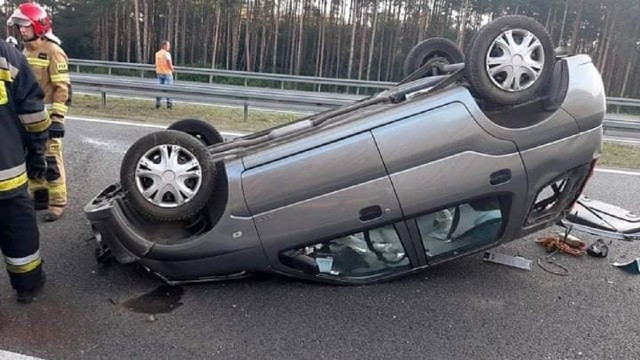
(164, 69)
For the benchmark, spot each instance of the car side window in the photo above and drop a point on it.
(362, 254)
(463, 227)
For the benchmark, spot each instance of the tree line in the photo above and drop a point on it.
(358, 39)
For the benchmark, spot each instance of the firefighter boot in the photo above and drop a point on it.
(54, 213)
(41, 199)
(27, 296)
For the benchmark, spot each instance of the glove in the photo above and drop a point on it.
(36, 167)
(56, 130)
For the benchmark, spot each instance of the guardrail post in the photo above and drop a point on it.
(210, 79)
(103, 98)
(245, 82)
(142, 74)
(109, 70)
(246, 110)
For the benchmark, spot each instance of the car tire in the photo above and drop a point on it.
(199, 129)
(434, 49)
(490, 60)
(168, 191)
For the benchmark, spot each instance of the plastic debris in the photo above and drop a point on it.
(632, 267)
(514, 261)
(598, 249)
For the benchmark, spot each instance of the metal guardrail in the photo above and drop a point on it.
(282, 78)
(211, 73)
(623, 101)
(294, 100)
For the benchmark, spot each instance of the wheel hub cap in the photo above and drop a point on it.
(515, 60)
(168, 176)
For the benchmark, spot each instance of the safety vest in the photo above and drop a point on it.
(162, 67)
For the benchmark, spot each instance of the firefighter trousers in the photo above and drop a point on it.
(20, 242)
(55, 179)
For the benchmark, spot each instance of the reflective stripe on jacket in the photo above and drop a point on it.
(23, 120)
(51, 67)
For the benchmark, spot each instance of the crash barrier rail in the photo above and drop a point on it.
(619, 102)
(148, 69)
(292, 100)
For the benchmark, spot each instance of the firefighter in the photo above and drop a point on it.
(24, 125)
(50, 66)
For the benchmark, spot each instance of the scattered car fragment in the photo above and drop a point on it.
(598, 249)
(632, 267)
(458, 158)
(504, 259)
(603, 219)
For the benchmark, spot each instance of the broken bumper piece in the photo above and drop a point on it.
(603, 219)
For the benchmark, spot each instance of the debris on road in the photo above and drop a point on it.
(598, 249)
(632, 267)
(566, 243)
(544, 265)
(513, 261)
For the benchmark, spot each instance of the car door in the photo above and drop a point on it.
(454, 178)
(335, 192)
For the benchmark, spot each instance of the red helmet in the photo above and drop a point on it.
(30, 14)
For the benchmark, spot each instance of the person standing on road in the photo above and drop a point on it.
(49, 63)
(24, 126)
(164, 70)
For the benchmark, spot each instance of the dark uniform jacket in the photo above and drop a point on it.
(24, 122)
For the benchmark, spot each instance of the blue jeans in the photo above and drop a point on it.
(165, 79)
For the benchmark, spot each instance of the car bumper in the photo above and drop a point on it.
(113, 228)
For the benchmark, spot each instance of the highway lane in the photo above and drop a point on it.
(463, 309)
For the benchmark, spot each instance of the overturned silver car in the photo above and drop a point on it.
(469, 152)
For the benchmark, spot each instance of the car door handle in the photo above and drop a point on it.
(370, 213)
(500, 177)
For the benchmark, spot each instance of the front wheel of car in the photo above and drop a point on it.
(510, 60)
(168, 176)
(432, 52)
(199, 129)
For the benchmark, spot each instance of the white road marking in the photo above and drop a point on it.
(620, 172)
(128, 123)
(6, 355)
(114, 147)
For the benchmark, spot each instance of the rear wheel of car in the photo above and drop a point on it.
(510, 60)
(434, 52)
(168, 176)
(199, 129)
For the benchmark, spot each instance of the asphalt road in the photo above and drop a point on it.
(464, 309)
